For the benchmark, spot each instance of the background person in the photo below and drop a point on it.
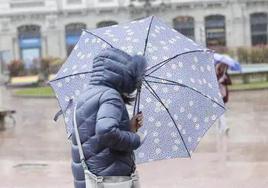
(224, 80)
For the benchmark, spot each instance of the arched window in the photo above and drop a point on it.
(106, 23)
(215, 30)
(258, 26)
(72, 34)
(29, 43)
(185, 25)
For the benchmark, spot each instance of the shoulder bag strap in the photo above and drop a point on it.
(81, 153)
(80, 149)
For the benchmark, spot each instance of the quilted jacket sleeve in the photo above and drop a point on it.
(107, 122)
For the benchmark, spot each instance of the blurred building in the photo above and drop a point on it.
(31, 29)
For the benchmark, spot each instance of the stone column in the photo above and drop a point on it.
(44, 45)
(6, 36)
(15, 47)
(53, 37)
(246, 26)
(235, 26)
(200, 32)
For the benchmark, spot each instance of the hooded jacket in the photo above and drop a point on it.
(102, 118)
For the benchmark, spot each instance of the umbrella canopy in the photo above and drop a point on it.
(179, 97)
(232, 63)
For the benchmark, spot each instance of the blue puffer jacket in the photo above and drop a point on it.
(102, 118)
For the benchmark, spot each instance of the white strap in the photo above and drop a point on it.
(82, 157)
(80, 149)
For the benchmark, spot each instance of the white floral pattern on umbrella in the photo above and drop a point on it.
(179, 98)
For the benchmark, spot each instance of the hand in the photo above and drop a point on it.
(136, 122)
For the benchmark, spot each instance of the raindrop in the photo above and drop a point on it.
(65, 70)
(158, 124)
(189, 116)
(195, 119)
(191, 103)
(213, 117)
(173, 134)
(158, 151)
(157, 140)
(208, 68)
(155, 134)
(148, 100)
(192, 80)
(86, 40)
(174, 66)
(195, 59)
(59, 84)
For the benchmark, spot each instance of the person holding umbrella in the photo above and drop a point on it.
(108, 135)
(177, 92)
(224, 80)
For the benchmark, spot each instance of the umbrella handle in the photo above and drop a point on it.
(136, 109)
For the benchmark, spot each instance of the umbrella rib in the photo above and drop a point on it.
(152, 91)
(70, 76)
(147, 37)
(135, 105)
(162, 63)
(170, 82)
(183, 85)
(99, 37)
(155, 82)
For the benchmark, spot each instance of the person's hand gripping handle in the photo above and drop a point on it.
(136, 124)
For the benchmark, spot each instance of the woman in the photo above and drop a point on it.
(107, 134)
(223, 80)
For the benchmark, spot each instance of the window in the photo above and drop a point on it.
(106, 23)
(185, 25)
(215, 30)
(258, 26)
(74, 1)
(72, 34)
(29, 43)
(25, 4)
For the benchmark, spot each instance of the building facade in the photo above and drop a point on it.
(31, 29)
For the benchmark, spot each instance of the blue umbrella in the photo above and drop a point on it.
(232, 63)
(179, 97)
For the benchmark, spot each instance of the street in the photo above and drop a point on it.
(36, 153)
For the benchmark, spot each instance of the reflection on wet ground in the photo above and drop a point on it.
(35, 153)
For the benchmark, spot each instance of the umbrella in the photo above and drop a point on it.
(179, 97)
(232, 63)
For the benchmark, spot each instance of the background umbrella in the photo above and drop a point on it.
(232, 63)
(180, 98)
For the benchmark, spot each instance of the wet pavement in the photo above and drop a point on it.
(36, 153)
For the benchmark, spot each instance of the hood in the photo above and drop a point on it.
(117, 69)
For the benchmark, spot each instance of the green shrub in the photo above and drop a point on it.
(49, 65)
(55, 65)
(16, 68)
(243, 55)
